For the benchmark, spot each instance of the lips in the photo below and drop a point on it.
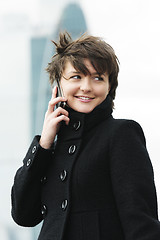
(84, 98)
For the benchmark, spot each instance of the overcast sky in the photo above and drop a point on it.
(131, 27)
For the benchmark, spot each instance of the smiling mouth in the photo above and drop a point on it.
(84, 98)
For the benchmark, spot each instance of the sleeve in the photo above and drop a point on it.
(133, 183)
(26, 190)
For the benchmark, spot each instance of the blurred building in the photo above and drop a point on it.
(26, 30)
(42, 49)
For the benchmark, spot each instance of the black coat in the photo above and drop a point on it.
(96, 184)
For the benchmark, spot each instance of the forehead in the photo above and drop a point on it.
(84, 67)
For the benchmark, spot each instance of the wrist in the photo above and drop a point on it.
(45, 144)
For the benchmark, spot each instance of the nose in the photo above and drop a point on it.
(86, 85)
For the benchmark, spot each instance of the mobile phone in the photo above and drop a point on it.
(59, 93)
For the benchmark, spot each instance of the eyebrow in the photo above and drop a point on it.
(93, 74)
(99, 74)
(73, 72)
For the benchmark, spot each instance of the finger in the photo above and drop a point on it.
(54, 92)
(60, 111)
(53, 102)
(57, 99)
(61, 118)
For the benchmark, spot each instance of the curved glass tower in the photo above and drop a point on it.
(72, 20)
(42, 49)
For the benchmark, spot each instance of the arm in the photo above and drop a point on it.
(133, 183)
(26, 190)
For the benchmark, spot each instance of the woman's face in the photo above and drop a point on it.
(84, 93)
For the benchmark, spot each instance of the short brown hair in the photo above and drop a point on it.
(95, 49)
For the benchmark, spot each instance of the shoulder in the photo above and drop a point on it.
(126, 124)
(123, 124)
(127, 129)
(116, 130)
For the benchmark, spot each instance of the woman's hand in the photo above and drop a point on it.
(52, 120)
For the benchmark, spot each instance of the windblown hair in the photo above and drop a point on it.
(100, 54)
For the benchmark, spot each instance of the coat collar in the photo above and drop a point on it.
(82, 122)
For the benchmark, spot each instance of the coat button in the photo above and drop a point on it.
(28, 162)
(44, 210)
(63, 175)
(34, 149)
(64, 205)
(53, 152)
(76, 125)
(72, 149)
(44, 179)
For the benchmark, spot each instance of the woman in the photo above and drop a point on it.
(95, 182)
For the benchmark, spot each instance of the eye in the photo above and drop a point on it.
(75, 77)
(98, 78)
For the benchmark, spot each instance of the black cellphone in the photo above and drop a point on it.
(59, 93)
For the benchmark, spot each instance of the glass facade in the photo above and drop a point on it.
(37, 54)
(72, 20)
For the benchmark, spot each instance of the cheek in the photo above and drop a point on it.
(65, 88)
(68, 90)
(103, 92)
